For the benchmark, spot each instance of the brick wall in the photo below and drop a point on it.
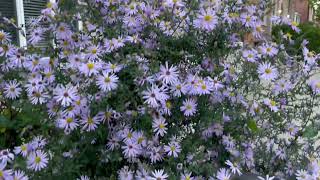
(302, 7)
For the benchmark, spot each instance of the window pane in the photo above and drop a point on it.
(32, 9)
(7, 10)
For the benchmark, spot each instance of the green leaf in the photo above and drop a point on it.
(4, 122)
(253, 125)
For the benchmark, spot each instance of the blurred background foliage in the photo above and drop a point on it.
(309, 31)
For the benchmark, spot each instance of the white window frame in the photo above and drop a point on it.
(80, 23)
(22, 39)
(310, 15)
(297, 17)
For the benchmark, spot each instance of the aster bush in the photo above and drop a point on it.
(168, 89)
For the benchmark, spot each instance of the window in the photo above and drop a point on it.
(32, 9)
(22, 11)
(296, 17)
(7, 10)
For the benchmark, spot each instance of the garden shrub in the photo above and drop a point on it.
(158, 90)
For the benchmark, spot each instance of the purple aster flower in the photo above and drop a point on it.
(248, 20)
(189, 107)
(267, 71)
(36, 36)
(206, 20)
(12, 89)
(250, 55)
(315, 86)
(65, 94)
(268, 50)
(5, 37)
(37, 160)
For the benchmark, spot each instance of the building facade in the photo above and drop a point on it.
(21, 11)
(297, 10)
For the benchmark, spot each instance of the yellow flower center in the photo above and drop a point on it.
(233, 15)
(294, 23)
(69, 120)
(188, 107)
(318, 85)
(35, 62)
(12, 89)
(178, 87)
(4, 47)
(161, 126)
(37, 94)
(289, 35)
(172, 148)
(273, 103)
(65, 52)
(23, 148)
(90, 120)
(107, 115)
(250, 56)
(140, 139)
(65, 43)
(248, 18)
(1, 36)
(259, 28)
(207, 18)
(113, 66)
(268, 71)
(310, 54)
(37, 160)
(49, 5)
(168, 104)
(203, 87)
(94, 51)
(90, 66)
(129, 135)
(107, 80)
(291, 129)
(48, 74)
(62, 29)
(1, 173)
(268, 49)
